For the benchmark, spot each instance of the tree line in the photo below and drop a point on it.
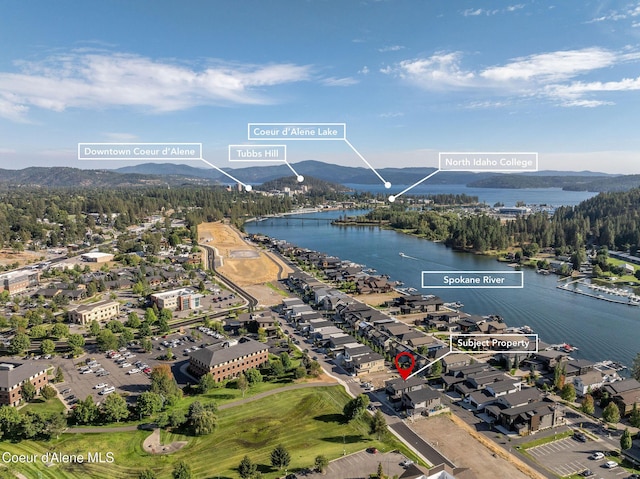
(610, 220)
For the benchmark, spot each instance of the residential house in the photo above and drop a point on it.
(421, 400)
(529, 418)
(395, 388)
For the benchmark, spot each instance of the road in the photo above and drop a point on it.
(396, 425)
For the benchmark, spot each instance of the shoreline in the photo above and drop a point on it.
(519, 330)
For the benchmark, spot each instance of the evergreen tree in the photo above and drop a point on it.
(378, 425)
(247, 469)
(280, 457)
(626, 441)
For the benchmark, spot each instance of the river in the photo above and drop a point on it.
(600, 330)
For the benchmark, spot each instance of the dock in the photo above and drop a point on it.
(565, 287)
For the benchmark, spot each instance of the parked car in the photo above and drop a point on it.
(596, 456)
(610, 464)
(106, 391)
(578, 436)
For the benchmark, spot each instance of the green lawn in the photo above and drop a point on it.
(42, 406)
(307, 421)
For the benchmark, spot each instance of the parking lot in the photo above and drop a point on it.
(568, 456)
(78, 385)
(362, 464)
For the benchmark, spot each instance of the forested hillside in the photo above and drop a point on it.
(609, 219)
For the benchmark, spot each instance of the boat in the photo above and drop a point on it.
(456, 305)
(402, 254)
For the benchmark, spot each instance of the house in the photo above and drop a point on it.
(627, 400)
(421, 400)
(368, 363)
(100, 311)
(529, 418)
(456, 359)
(624, 393)
(576, 367)
(13, 374)
(395, 388)
(361, 359)
(520, 398)
(226, 360)
(589, 381)
(182, 299)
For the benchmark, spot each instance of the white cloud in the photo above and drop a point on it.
(553, 66)
(586, 103)
(332, 81)
(470, 12)
(364, 71)
(439, 70)
(573, 93)
(391, 48)
(104, 80)
(551, 75)
(630, 11)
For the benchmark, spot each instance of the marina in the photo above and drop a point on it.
(610, 295)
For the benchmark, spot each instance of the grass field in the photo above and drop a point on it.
(45, 407)
(308, 422)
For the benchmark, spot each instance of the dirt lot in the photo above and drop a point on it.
(376, 299)
(243, 263)
(448, 437)
(8, 257)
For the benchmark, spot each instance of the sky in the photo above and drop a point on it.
(409, 78)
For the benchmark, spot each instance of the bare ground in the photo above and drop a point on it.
(243, 263)
(153, 445)
(8, 257)
(488, 461)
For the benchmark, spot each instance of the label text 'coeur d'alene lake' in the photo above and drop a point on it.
(600, 330)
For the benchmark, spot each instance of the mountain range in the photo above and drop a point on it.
(150, 174)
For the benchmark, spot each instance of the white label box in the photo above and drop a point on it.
(487, 161)
(139, 151)
(297, 131)
(473, 279)
(258, 153)
(494, 343)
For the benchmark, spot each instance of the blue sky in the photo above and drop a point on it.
(410, 78)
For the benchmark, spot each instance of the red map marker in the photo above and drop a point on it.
(404, 364)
